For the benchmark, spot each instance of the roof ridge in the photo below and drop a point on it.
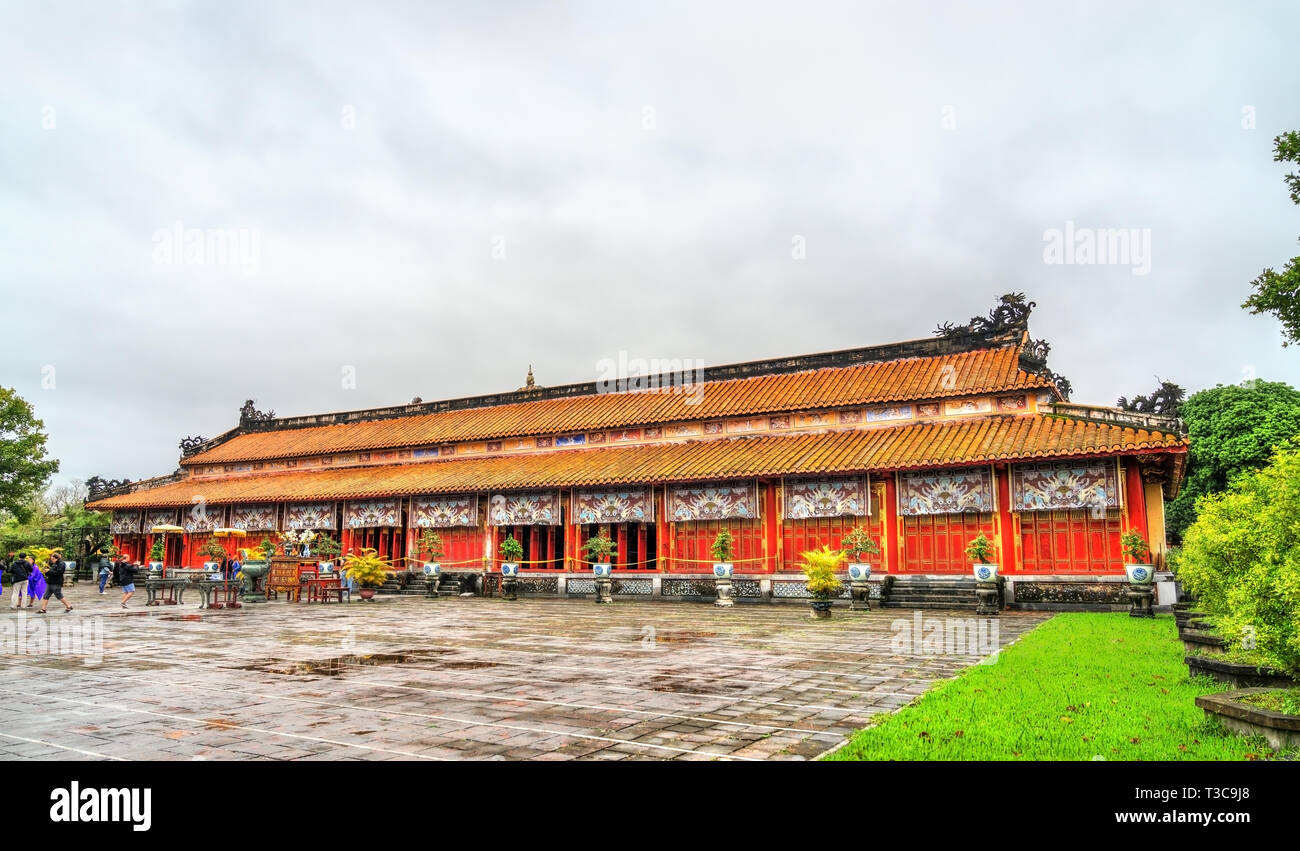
(926, 347)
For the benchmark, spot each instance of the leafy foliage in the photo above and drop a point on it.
(327, 548)
(40, 555)
(156, 552)
(819, 566)
(1166, 400)
(1134, 546)
(1278, 293)
(980, 549)
(431, 543)
(511, 550)
(213, 549)
(858, 543)
(724, 546)
(1241, 558)
(600, 549)
(1233, 429)
(368, 568)
(24, 469)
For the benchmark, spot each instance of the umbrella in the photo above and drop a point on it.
(163, 529)
(229, 533)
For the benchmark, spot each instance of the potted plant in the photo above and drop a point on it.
(723, 551)
(512, 552)
(857, 544)
(819, 566)
(1137, 555)
(214, 551)
(431, 543)
(980, 551)
(327, 550)
(156, 555)
(369, 570)
(600, 551)
(267, 548)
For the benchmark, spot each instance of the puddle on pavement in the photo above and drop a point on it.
(671, 636)
(336, 665)
(465, 666)
(683, 684)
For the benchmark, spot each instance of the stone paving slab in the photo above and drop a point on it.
(408, 678)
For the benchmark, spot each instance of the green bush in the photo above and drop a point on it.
(1241, 558)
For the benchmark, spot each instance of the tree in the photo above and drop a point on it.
(1278, 293)
(1233, 430)
(1166, 400)
(1241, 558)
(24, 469)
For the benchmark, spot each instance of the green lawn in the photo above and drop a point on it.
(1079, 687)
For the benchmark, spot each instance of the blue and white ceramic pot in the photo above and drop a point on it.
(985, 572)
(601, 569)
(859, 572)
(510, 569)
(1138, 574)
(723, 570)
(432, 568)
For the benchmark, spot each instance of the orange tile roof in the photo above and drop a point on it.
(918, 445)
(973, 372)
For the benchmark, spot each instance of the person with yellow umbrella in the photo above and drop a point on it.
(164, 529)
(225, 562)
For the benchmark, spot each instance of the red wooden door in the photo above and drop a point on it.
(810, 534)
(1070, 542)
(636, 544)
(462, 547)
(692, 540)
(936, 543)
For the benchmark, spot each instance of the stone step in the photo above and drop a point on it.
(933, 598)
(897, 604)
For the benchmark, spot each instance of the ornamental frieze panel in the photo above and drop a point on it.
(531, 508)
(713, 501)
(159, 517)
(923, 492)
(827, 496)
(204, 518)
(628, 505)
(253, 518)
(1065, 485)
(443, 512)
(309, 515)
(125, 523)
(372, 513)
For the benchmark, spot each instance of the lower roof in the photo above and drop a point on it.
(948, 443)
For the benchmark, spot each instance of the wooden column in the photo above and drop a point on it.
(1007, 538)
(893, 529)
(771, 529)
(1135, 500)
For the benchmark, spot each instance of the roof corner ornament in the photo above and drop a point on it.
(1012, 312)
(190, 445)
(530, 383)
(249, 414)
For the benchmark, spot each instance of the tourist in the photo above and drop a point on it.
(19, 571)
(126, 579)
(35, 583)
(104, 570)
(54, 584)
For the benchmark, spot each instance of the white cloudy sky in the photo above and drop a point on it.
(645, 170)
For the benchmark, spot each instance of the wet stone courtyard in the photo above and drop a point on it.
(459, 678)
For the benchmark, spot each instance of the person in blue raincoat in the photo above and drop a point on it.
(35, 584)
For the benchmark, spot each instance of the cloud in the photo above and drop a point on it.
(443, 195)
